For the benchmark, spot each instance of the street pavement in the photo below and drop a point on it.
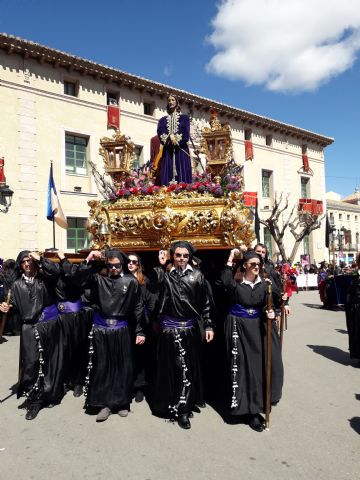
(314, 431)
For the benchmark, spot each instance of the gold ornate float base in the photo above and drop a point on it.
(152, 222)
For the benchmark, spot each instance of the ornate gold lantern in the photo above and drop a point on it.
(216, 144)
(118, 154)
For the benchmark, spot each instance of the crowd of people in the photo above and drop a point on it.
(106, 330)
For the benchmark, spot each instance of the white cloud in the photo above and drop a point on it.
(286, 45)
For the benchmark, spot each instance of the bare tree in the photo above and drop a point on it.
(300, 225)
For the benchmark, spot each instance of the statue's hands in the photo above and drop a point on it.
(173, 139)
(270, 314)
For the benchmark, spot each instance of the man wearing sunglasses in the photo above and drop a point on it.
(183, 306)
(118, 315)
(33, 296)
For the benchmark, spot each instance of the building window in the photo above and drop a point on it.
(112, 98)
(340, 216)
(149, 108)
(356, 218)
(267, 241)
(138, 157)
(332, 218)
(269, 140)
(348, 218)
(266, 183)
(306, 243)
(76, 154)
(248, 134)
(77, 236)
(304, 187)
(70, 88)
(304, 149)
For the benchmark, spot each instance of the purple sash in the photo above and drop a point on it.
(114, 322)
(244, 312)
(172, 322)
(70, 307)
(48, 313)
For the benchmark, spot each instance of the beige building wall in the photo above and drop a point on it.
(36, 115)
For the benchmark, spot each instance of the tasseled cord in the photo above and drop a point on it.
(174, 409)
(234, 368)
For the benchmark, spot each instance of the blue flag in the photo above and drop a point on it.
(53, 209)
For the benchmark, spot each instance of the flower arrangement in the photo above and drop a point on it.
(140, 183)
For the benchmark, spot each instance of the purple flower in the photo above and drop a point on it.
(144, 190)
(127, 193)
(201, 189)
(112, 196)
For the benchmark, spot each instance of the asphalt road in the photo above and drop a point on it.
(314, 434)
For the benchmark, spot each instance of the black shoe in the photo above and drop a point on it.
(32, 412)
(139, 396)
(191, 415)
(78, 390)
(256, 424)
(184, 422)
(201, 405)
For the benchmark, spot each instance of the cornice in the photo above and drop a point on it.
(59, 59)
(339, 205)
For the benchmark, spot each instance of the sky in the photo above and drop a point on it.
(295, 61)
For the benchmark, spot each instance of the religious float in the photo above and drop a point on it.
(213, 212)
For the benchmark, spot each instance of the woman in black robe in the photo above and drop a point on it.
(245, 336)
(142, 354)
(352, 312)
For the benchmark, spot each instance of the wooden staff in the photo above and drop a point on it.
(283, 313)
(268, 356)
(4, 316)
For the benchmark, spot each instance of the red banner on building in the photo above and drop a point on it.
(113, 117)
(2, 174)
(249, 151)
(305, 160)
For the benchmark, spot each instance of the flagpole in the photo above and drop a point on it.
(53, 222)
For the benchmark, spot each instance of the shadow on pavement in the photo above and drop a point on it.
(357, 396)
(355, 424)
(333, 353)
(13, 390)
(340, 330)
(314, 305)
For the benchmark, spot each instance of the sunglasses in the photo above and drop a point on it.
(183, 255)
(111, 266)
(254, 264)
(134, 262)
(26, 261)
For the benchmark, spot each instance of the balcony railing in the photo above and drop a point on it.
(310, 206)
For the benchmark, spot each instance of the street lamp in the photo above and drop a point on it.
(5, 192)
(337, 234)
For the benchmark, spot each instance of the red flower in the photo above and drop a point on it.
(120, 192)
(182, 185)
(134, 190)
(151, 189)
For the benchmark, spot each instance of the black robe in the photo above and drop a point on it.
(352, 312)
(179, 383)
(246, 348)
(39, 339)
(75, 326)
(110, 369)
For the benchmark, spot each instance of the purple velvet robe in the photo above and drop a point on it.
(179, 125)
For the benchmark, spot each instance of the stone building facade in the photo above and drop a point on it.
(54, 107)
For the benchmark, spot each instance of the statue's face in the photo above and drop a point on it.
(172, 102)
